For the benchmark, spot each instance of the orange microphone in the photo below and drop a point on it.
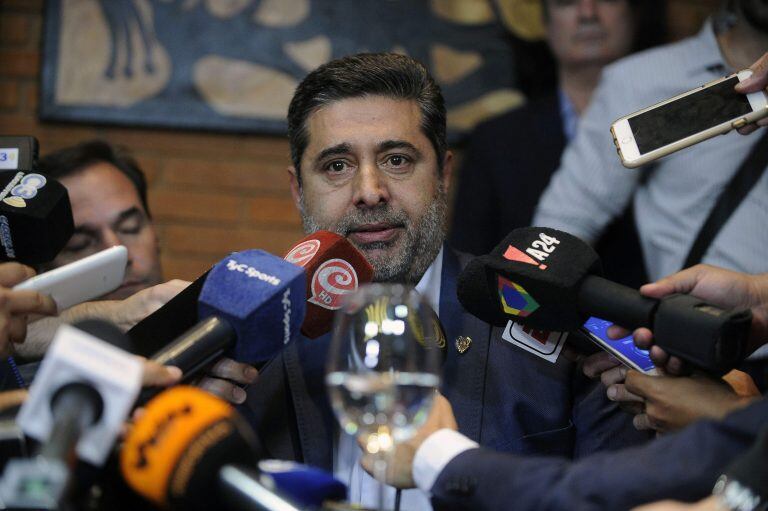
(173, 452)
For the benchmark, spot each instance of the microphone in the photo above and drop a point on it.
(334, 268)
(252, 304)
(549, 279)
(325, 279)
(82, 394)
(35, 214)
(190, 450)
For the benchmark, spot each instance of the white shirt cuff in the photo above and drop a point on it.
(435, 453)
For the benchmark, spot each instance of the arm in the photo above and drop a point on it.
(124, 313)
(591, 187)
(482, 479)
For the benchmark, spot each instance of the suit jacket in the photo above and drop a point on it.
(682, 466)
(503, 397)
(506, 168)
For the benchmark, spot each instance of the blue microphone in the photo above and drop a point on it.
(302, 484)
(251, 304)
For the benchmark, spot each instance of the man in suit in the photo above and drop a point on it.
(370, 162)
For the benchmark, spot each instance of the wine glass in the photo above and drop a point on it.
(384, 367)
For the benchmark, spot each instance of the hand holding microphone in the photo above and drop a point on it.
(549, 279)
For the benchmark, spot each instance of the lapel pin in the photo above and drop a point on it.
(463, 343)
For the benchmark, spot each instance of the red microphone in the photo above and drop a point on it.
(334, 268)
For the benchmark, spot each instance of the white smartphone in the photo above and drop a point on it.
(623, 349)
(687, 119)
(82, 280)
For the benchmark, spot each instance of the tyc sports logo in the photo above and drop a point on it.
(536, 254)
(252, 272)
(515, 300)
(332, 280)
(302, 253)
(22, 188)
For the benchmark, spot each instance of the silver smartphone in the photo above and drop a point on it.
(687, 119)
(82, 280)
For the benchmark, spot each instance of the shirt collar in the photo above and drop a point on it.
(429, 285)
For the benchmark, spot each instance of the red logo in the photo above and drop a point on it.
(302, 253)
(540, 335)
(332, 280)
(513, 254)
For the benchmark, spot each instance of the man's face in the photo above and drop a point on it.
(370, 174)
(583, 32)
(108, 212)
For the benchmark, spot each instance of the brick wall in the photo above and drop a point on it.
(210, 193)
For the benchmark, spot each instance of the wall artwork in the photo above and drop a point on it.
(232, 65)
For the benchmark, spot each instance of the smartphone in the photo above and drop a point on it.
(82, 280)
(623, 349)
(686, 119)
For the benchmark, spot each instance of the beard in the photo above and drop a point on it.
(419, 244)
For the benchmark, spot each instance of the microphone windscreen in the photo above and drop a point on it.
(35, 217)
(532, 277)
(262, 298)
(334, 268)
(170, 321)
(302, 484)
(173, 452)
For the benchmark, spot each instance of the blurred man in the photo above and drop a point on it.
(370, 162)
(673, 197)
(108, 193)
(511, 158)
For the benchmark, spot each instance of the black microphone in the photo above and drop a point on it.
(35, 213)
(549, 279)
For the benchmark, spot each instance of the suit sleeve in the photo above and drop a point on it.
(682, 466)
(600, 424)
(591, 187)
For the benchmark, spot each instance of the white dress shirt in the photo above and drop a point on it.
(363, 489)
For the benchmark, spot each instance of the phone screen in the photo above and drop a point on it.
(625, 346)
(689, 115)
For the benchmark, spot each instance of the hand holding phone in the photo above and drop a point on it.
(623, 349)
(687, 119)
(82, 280)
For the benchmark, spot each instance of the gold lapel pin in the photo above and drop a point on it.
(463, 343)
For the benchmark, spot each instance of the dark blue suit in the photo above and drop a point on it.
(503, 397)
(682, 466)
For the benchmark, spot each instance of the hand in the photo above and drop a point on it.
(723, 288)
(15, 306)
(758, 81)
(612, 374)
(671, 403)
(400, 462)
(226, 376)
(157, 375)
(126, 313)
(708, 504)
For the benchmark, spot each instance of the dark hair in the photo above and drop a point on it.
(71, 160)
(367, 74)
